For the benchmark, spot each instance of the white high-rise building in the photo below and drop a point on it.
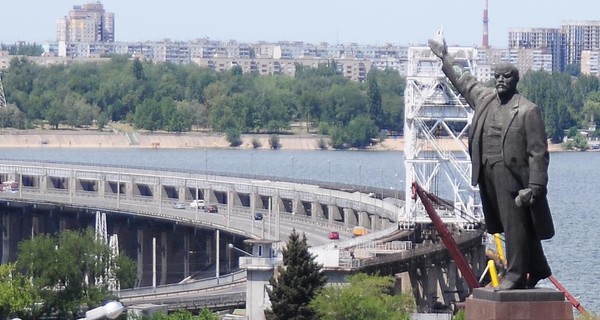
(546, 39)
(87, 23)
(579, 36)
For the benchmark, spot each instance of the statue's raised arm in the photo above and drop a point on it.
(451, 69)
(462, 80)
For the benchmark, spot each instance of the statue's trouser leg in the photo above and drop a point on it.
(524, 251)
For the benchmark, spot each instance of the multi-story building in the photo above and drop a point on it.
(590, 62)
(547, 39)
(86, 23)
(579, 36)
(524, 59)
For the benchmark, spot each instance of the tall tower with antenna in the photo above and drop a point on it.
(485, 42)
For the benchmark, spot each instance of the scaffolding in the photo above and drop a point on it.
(436, 126)
(2, 96)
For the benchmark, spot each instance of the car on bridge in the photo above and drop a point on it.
(258, 216)
(179, 205)
(197, 204)
(334, 235)
(212, 208)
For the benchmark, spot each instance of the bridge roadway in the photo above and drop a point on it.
(152, 193)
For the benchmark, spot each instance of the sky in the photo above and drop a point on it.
(374, 22)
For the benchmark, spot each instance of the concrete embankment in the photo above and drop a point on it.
(95, 139)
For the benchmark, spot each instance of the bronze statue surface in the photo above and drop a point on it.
(509, 156)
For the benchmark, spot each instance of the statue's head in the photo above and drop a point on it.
(507, 77)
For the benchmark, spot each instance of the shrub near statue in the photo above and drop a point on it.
(509, 156)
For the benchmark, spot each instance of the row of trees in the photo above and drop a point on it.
(567, 102)
(176, 98)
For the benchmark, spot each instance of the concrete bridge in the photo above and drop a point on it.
(142, 210)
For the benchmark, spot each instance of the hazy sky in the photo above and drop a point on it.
(335, 21)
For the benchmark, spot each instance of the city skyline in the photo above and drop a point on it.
(335, 21)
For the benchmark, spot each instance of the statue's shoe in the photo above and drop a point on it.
(533, 281)
(510, 285)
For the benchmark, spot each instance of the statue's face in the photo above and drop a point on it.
(506, 79)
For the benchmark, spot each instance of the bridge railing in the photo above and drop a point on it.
(196, 285)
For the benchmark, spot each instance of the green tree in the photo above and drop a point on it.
(360, 131)
(204, 314)
(148, 115)
(296, 283)
(17, 295)
(63, 270)
(375, 101)
(365, 297)
(233, 136)
(274, 142)
(578, 142)
(138, 69)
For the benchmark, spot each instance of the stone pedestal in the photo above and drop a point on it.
(530, 304)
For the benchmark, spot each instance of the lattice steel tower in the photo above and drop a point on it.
(436, 124)
(2, 96)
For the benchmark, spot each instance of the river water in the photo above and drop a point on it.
(573, 190)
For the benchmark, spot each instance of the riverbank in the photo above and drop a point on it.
(116, 139)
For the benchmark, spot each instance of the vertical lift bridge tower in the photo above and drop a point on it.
(436, 126)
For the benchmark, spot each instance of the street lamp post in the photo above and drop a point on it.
(231, 246)
(360, 183)
(205, 176)
(293, 177)
(381, 171)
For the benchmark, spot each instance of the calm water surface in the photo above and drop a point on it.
(574, 190)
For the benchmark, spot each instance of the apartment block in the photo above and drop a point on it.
(549, 40)
(579, 36)
(590, 62)
(86, 23)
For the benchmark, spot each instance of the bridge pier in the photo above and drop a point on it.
(6, 237)
(364, 220)
(234, 198)
(298, 207)
(140, 257)
(334, 214)
(163, 257)
(208, 195)
(316, 211)
(102, 187)
(255, 200)
(374, 223)
(349, 218)
(435, 283)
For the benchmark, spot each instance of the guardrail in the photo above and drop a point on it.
(197, 285)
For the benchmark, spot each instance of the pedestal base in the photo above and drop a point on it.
(530, 304)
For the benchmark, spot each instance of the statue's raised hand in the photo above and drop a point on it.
(438, 44)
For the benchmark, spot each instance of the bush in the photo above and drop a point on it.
(323, 145)
(256, 143)
(577, 143)
(233, 136)
(274, 142)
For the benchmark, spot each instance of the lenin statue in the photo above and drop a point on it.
(509, 155)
